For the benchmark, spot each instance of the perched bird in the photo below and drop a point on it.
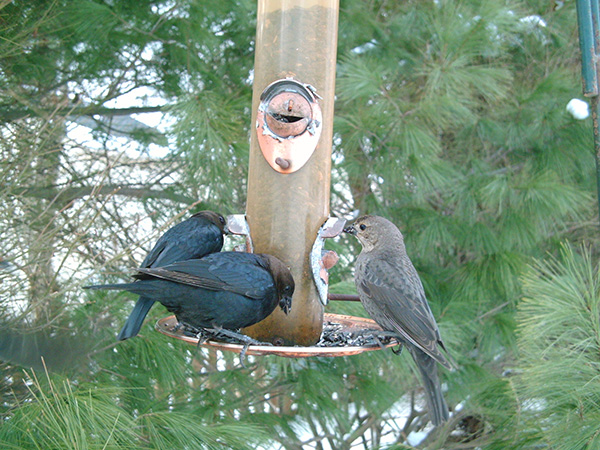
(195, 237)
(391, 292)
(228, 290)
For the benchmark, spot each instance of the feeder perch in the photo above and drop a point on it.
(237, 224)
(321, 260)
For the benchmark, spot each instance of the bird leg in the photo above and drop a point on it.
(243, 355)
(218, 333)
(202, 337)
(246, 341)
(238, 338)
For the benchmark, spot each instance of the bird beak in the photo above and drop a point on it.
(285, 304)
(350, 230)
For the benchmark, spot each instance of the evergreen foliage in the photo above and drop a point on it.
(119, 118)
(559, 343)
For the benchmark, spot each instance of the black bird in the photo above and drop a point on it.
(392, 293)
(195, 237)
(229, 290)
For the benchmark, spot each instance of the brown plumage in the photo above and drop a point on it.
(392, 293)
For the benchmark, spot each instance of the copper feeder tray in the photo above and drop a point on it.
(350, 324)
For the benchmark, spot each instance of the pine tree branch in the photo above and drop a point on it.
(367, 422)
(69, 194)
(11, 114)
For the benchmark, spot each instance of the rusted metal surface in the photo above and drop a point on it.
(339, 328)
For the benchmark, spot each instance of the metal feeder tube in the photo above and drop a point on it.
(297, 40)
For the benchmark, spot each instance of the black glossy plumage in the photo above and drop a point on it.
(195, 237)
(392, 293)
(230, 290)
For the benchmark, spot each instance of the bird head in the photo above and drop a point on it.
(215, 218)
(284, 282)
(285, 303)
(372, 231)
(285, 289)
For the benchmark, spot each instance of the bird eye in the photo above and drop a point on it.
(222, 220)
(362, 226)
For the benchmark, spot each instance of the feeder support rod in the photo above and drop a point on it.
(588, 19)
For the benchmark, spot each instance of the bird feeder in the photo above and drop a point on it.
(287, 212)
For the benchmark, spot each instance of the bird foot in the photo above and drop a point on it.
(398, 349)
(383, 338)
(227, 336)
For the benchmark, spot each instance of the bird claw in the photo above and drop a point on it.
(243, 355)
(202, 338)
(398, 349)
(192, 331)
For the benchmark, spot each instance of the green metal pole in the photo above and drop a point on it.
(588, 19)
(587, 45)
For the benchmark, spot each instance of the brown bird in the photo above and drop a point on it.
(391, 292)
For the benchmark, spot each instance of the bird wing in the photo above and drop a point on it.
(193, 238)
(397, 294)
(239, 273)
(156, 251)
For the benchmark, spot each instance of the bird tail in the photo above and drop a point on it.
(110, 287)
(136, 318)
(140, 310)
(438, 409)
(137, 287)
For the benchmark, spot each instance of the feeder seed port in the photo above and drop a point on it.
(289, 123)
